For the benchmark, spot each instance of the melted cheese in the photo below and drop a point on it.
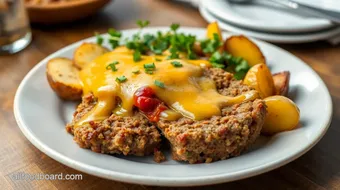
(187, 91)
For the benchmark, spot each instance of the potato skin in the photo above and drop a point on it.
(63, 91)
(213, 28)
(61, 88)
(241, 46)
(281, 83)
(260, 78)
(86, 53)
(282, 115)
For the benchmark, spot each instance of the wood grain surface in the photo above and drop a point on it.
(317, 169)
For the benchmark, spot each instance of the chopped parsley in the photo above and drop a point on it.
(112, 66)
(223, 60)
(159, 84)
(174, 27)
(211, 45)
(137, 56)
(173, 53)
(142, 23)
(121, 79)
(99, 39)
(176, 44)
(114, 37)
(176, 64)
(150, 66)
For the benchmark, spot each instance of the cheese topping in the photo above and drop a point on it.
(186, 90)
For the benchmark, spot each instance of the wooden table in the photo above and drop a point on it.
(317, 169)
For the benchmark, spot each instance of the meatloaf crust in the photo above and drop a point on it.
(219, 137)
(115, 135)
(208, 140)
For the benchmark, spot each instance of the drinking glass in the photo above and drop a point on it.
(15, 33)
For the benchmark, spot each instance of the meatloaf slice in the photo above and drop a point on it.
(219, 137)
(133, 135)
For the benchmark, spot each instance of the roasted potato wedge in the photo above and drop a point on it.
(282, 115)
(197, 49)
(241, 46)
(281, 83)
(62, 76)
(213, 28)
(260, 78)
(86, 53)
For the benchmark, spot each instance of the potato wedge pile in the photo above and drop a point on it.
(282, 113)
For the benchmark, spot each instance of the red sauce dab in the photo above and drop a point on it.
(144, 99)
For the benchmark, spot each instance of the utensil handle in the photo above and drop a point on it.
(333, 16)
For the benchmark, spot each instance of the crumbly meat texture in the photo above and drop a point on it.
(219, 137)
(209, 140)
(133, 135)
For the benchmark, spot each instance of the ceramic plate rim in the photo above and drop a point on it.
(161, 181)
(272, 37)
(250, 24)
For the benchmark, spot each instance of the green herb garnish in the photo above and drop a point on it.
(137, 56)
(174, 27)
(241, 69)
(142, 23)
(173, 53)
(112, 66)
(114, 37)
(150, 66)
(121, 79)
(237, 65)
(99, 39)
(176, 64)
(177, 44)
(159, 84)
(211, 45)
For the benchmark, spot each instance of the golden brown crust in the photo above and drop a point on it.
(241, 46)
(86, 53)
(281, 83)
(63, 81)
(219, 137)
(133, 135)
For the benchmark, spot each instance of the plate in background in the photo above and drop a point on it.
(42, 116)
(273, 37)
(264, 16)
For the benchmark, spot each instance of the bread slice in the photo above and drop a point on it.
(63, 78)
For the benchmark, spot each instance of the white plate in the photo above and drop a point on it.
(41, 116)
(273, 37)
(264, 15)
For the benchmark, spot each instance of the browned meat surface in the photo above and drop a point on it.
(219, 137)
(115, 135)
(209, 140)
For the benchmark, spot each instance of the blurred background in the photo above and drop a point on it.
(277, 21)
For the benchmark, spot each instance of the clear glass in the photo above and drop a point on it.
(15, 33)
